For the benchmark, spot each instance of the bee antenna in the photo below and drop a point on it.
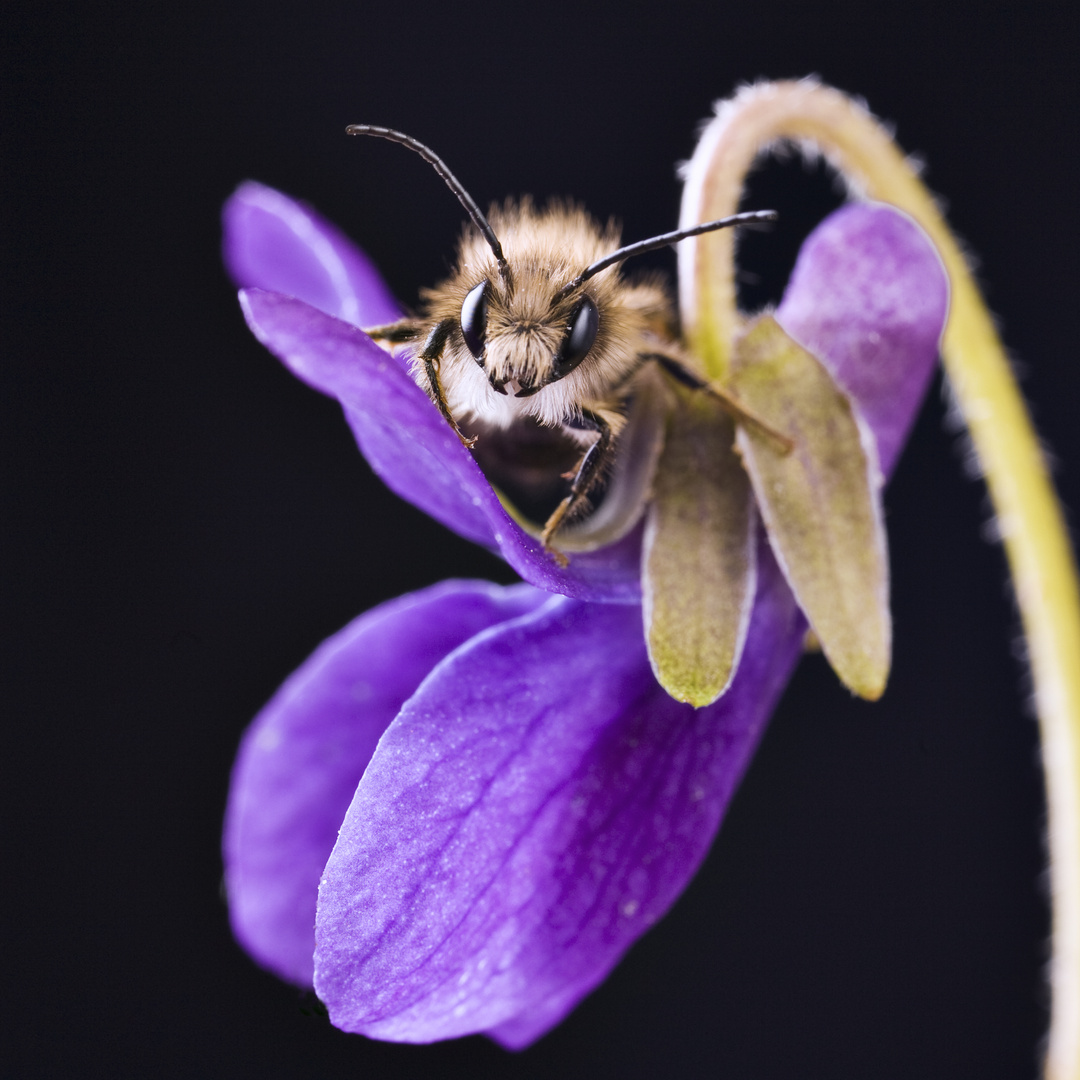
(753, 217)
(452, 183)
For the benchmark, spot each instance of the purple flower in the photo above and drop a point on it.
(465, 806)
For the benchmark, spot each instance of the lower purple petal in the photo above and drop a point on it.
(537, 805)
(417, 454)
(275, 243)
(869, 296)
(303, 755)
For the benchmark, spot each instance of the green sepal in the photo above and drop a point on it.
(698, 569)
(820, 499)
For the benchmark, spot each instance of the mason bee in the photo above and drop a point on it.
(552, 360)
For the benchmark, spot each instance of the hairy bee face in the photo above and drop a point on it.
(524, 348)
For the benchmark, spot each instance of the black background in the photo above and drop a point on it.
(184, 521)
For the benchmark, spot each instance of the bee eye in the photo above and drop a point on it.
(474, 312)
(579, 338)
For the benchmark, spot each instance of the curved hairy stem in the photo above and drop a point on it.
(1030, 519)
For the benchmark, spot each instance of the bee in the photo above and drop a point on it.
(539, 346)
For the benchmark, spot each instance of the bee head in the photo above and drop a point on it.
(548, 317)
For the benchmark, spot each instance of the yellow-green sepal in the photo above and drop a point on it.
(699, 568)
(820, 499)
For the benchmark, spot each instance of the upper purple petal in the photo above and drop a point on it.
(538, 804)
(414, 450)
(273, 242)
(868, 296)
(303, 755)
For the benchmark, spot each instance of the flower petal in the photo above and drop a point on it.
(273, 242)
(820, 500)
(868, 297)
(536, 806)
(417, 454)
(698, 566)
(303, 755)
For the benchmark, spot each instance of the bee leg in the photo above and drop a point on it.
(588, 472)
(430, 355)
(395, 333)
(681, 373)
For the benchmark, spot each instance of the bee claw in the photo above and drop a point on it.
(552, 527)
(553, 551)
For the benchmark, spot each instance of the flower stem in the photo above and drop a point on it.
(1028, 513)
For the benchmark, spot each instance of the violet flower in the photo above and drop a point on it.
(459, 813)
